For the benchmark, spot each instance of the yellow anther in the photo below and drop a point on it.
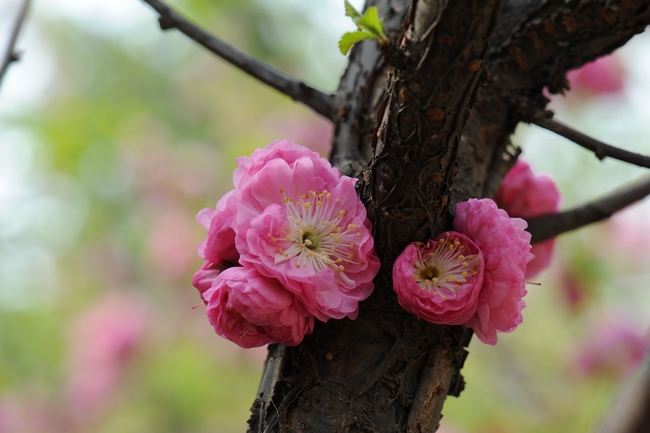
(274, 239)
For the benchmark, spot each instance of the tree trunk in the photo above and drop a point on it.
(406, 127)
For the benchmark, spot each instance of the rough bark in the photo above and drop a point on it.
(403, 128)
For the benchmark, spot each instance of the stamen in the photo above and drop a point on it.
(440, 268)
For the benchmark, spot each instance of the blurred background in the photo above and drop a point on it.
(113, 135)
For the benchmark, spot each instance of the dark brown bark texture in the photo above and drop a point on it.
(425, 124)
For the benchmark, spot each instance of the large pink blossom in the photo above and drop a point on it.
(440, 281)
(295, 222)
(524, 195)
(252, 310)
(505, 246)
(299, 221)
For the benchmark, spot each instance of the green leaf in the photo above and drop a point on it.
(370, 21)
(350, 38)
(351, 12)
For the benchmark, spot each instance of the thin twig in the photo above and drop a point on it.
(549, 226)
(602, 150)
(320, 102)
(9, 55)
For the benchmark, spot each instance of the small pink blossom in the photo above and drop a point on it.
(524, 195)
(252, 310)
(302, 223)
(602, 76)
(615, 349)
(440, 281)
(505, 246)
(572, 289)
(103, 340)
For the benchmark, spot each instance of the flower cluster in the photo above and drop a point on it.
(472, 276)
(524, 195)
(289, 244)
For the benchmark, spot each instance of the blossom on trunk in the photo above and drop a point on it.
(252, 310)
(295, 224)
(440, 281)
(505, 246)
(524, 195)
(303, 224)
(473, 276)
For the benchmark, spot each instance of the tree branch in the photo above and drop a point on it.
(313, 98)
(9, 55)
(549, 226)
(602, 150)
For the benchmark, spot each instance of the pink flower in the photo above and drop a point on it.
(440, 281)
(613, 350)
(104, 339)
(302, 241)
(505, 246)
(300, 222)
(252, 310)
(524, 195)
(572, 289)
(604, 75)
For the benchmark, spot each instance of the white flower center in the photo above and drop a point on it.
(445, 268)
(315, 233)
